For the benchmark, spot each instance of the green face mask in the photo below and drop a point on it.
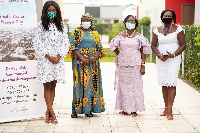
(51, 15)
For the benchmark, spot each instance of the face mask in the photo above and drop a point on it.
(167, 20)
(86, 25)
(130, 26)
(51, 15)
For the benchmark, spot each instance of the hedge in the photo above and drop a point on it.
(192, 55)
(101, 28)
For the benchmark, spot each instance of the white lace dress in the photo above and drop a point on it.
(52, 42)
(168, 71)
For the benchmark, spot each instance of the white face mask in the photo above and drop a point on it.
(86, 25)
(130, 26)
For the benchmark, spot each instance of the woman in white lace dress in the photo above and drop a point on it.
(51, 45)
(172, 43)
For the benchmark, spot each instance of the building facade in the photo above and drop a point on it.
(184, 9)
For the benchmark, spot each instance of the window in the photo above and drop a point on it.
(116, 21)
(107, 21)
(155, 15)
(147, 13)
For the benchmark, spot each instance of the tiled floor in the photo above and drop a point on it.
(186, 110)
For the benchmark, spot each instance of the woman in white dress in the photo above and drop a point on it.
(51, 45)
(172, 43)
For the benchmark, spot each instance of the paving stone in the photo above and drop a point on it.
(185, 110)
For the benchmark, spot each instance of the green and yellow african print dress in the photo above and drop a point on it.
(87, 88)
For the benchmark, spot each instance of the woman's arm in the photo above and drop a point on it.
(182, 42)
(143, 56)
(154, 48)
(82, 58)
(96, 55)
(116, 51)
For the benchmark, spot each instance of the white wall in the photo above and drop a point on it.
(111, 13)
(73, 12)
(130, 10)
(197, 11)
(152, 9)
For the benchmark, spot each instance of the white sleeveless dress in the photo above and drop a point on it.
(168, 71)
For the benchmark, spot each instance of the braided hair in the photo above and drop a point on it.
(57, 19)
(173, 14)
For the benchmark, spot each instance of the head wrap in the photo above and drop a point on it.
(90, 17)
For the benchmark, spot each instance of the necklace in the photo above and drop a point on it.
(130, 36)
(166, 30)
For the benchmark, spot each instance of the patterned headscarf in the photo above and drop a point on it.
(90, 17)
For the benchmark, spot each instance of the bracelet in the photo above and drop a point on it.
(158, 55)
(143, 63)
(174, 55)
(82, 57)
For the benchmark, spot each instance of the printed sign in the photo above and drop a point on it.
(21, 97)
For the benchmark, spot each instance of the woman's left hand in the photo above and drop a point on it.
(142, 70)
(92, 59)
(57, 59)
(169, 55)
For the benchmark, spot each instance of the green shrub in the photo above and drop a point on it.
(192, 55)
(101, 28)
(116, 29)
(145, 21)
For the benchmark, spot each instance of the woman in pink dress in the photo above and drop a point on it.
(131, 49)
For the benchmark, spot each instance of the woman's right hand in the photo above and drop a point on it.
(50, 58)
(162, 57)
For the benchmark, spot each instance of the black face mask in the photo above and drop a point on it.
(166, 20)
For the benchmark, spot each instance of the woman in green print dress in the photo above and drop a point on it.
(85, 51)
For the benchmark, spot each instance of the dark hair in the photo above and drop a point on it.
(173, 14)
(126, 19)
(57, 19)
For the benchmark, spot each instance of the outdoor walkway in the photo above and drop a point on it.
(186, 110)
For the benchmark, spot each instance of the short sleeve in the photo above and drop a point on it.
(144, 42)
(73, 46)
(179, 29)
(99, 46)
(114, 44)
(155, 31)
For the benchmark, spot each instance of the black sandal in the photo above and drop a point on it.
(133, 114)
(123, 113)
(73, 115)
(89, 115)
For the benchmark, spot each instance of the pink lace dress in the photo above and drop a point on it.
(128, 79)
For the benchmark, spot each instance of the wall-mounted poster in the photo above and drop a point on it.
(21, 96)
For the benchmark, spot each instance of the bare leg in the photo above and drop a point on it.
(171, 97)
(53, 91)
(165, 97)
(53, 117)
(47, 96)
